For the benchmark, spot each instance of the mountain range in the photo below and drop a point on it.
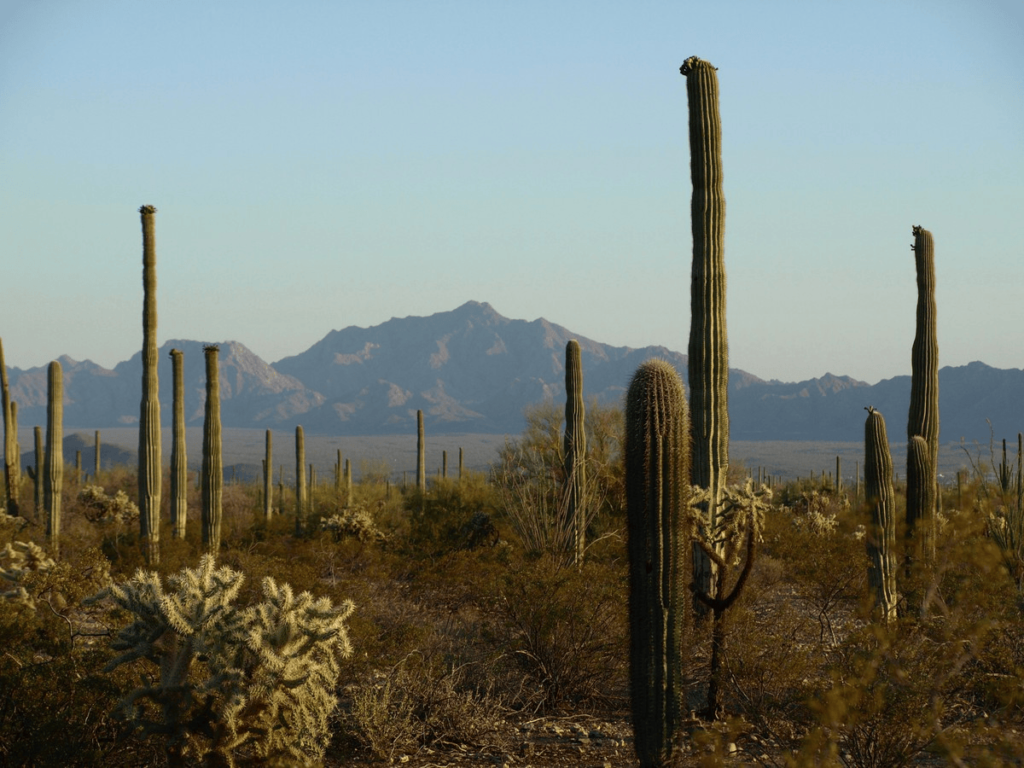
(471, 370)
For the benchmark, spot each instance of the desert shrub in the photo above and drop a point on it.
(98, 507)
(256, 681)
(438, 521)
(354, 521)
(564, 629)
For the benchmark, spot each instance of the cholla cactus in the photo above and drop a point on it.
(353, 521)
(259, 678)
(23, 558)
(100, 508)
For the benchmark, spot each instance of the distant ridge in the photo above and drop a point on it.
(473, 370)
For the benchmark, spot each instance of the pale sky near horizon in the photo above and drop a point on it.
(324, 164)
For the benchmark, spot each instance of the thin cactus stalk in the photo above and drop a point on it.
(574, 451)
(881, 534)
(708, 348)
(920, 533)
(10, 438)
(421, 463)
(149, 414)
(311, 491)
(460, 463)
(268, 479)
(213, 467)
(924, 380)
(96, 458)
(300, 482)
(337, 474)
(37, 476)
(657, 461)
(17, 454)
(78, 468)
(348, 483)
(1020, 472)
(53, 470)
(444, 465)
(179, 451)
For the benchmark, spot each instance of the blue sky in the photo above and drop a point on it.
(324, 164)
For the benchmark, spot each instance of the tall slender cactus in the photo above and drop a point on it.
(53, 470)
(179, 450)
(920, 532)
(657, 460)
(708, 349)
(348, 483)
(149, 415)
(37, 474)
(10, 438)
(268, 479)
(300, 482)
(213, 464)
(17, 454)
(96, 457)
(460, 462)
(881, 534)
(924, 381)
(574, 449)
(421, 464)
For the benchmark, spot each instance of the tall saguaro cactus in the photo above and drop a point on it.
(421, 463)
(179, 451)
(300, 482)
(657, 459)
(574, 450)
(212, 482)
(96, 457)
(920, 502)
(268, 479)
(53, 470)
(149, 415)
(37, 476)
(924, 381)
(881, 535)
(708, 348)
(10, 440)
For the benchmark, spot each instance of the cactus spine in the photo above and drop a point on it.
(708, 348)
(268, 479)
(149, 416)
(924, 382)
(53, 470)
(10, 439)
(574, 451)
(657, 460)
(300, 481)
(179, 451)
(881, 535)
(213, 467)
(421, 463)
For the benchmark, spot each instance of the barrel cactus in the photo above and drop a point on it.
(881, 534)
(708, 347)
(657, 460)
(212, 482)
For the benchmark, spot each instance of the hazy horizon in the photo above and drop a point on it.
(319, 165)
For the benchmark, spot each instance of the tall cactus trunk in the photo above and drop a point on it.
(708, 349)
(96, 458)
(268, 479)
(53, 471)
(881, 535)
(179, 451)
(348, 483)
(460, 463)
(924, 387)
(10, 439)
(920, 536)
(657, 460)
(213, 466)
(574, 451)
(421, 462)
(38, 475)
(300, 482)
(149, 415)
